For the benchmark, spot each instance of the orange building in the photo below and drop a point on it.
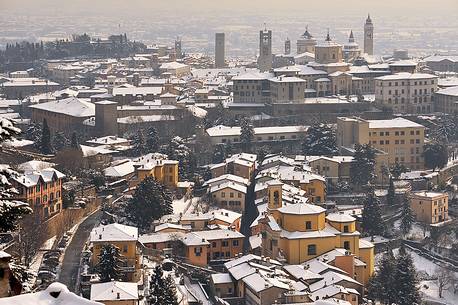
(42, 190)
(429, 207)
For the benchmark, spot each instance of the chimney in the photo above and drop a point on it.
(100, 236)
(118, 295)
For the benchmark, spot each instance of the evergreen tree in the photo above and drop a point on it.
(406, 279)
(138, 143)
(436, 155)
(363, 167)
(74, 143)
(162, 290)
(150, 201)
(262, 152)
(397, 170)
(391, 196)
(372, 222)
(109, 265)
(152, 140)
(246, 133)
(45, 143)
(59, 141)
(320, 139)
(407, 217)
(33, 133)
(219, 154)
(11, 211)
(383, 285)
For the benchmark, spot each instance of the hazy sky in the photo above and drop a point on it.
(122, 7)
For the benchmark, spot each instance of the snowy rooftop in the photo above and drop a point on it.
(394, 123)
(46, 175)
(452, 91)
(301, 209)
(221, 130)
(70, 106)
(428, 194)
(340, 217)
(221, 278)
(406, 76)
(55, 294)
(108, 140)
(114, 291)
(114, 232)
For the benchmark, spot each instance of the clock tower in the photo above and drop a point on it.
(369, 36)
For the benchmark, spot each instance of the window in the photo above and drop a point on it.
(231, 194)
(223, 194)
(239, 195)
(235, 243)
(197, 251)
(347, 245)
(224, 243)
(417, 132)
(396, 133)
(38, 188)
(228, 254)
(308, 225)
(346, 229)
(412, 132)
(311, 250)
(124, 248)
(213, 244)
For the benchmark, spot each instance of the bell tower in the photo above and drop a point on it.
(369, 36)
(274, 189)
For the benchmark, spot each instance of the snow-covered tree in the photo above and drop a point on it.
(176, 149)
(391, 195)
(362, 170)
(406, 278)
(446, 129)
(59, 141)
(109, 264)
(397, 170)
(246, 133)
(45, 142)
(33, 133)
(436, 155)
(372, 221)
(320, 139)
(11, 211)
(138, 143)
(162, 290)
(382, 286)
(407, 217)
(150, 201)
(152, 140)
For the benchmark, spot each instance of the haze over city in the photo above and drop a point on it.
(243, 152)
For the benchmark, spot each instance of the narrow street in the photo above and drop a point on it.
(69, 269)
(249, 215)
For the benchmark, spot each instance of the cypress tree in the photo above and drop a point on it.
(372, 222)
(46, 147)
(407, 217)
(152, 140)
(382, 286)
(74, 141)
(391, 196)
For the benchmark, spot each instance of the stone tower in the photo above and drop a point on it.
(219, 50)
(287, 46)
(369, 36)
(178, 51)
(306, 43)
(265, 50)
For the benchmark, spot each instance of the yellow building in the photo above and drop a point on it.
(401, 139)
(156, 166)
(298, 233)
(429, 207)
(123, 237)
(241, 165)
(229, 195)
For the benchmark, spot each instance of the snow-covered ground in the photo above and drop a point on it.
(428, 268)
(185, 206)
(416, 233)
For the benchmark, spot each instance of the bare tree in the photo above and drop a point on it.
(445, 279)
(31, 235)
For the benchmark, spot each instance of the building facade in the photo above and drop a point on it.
(220, 52)
(406, 92)
(429, 207)
(369, 36)
(265, 50)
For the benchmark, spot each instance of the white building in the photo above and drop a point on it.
(406, 92)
